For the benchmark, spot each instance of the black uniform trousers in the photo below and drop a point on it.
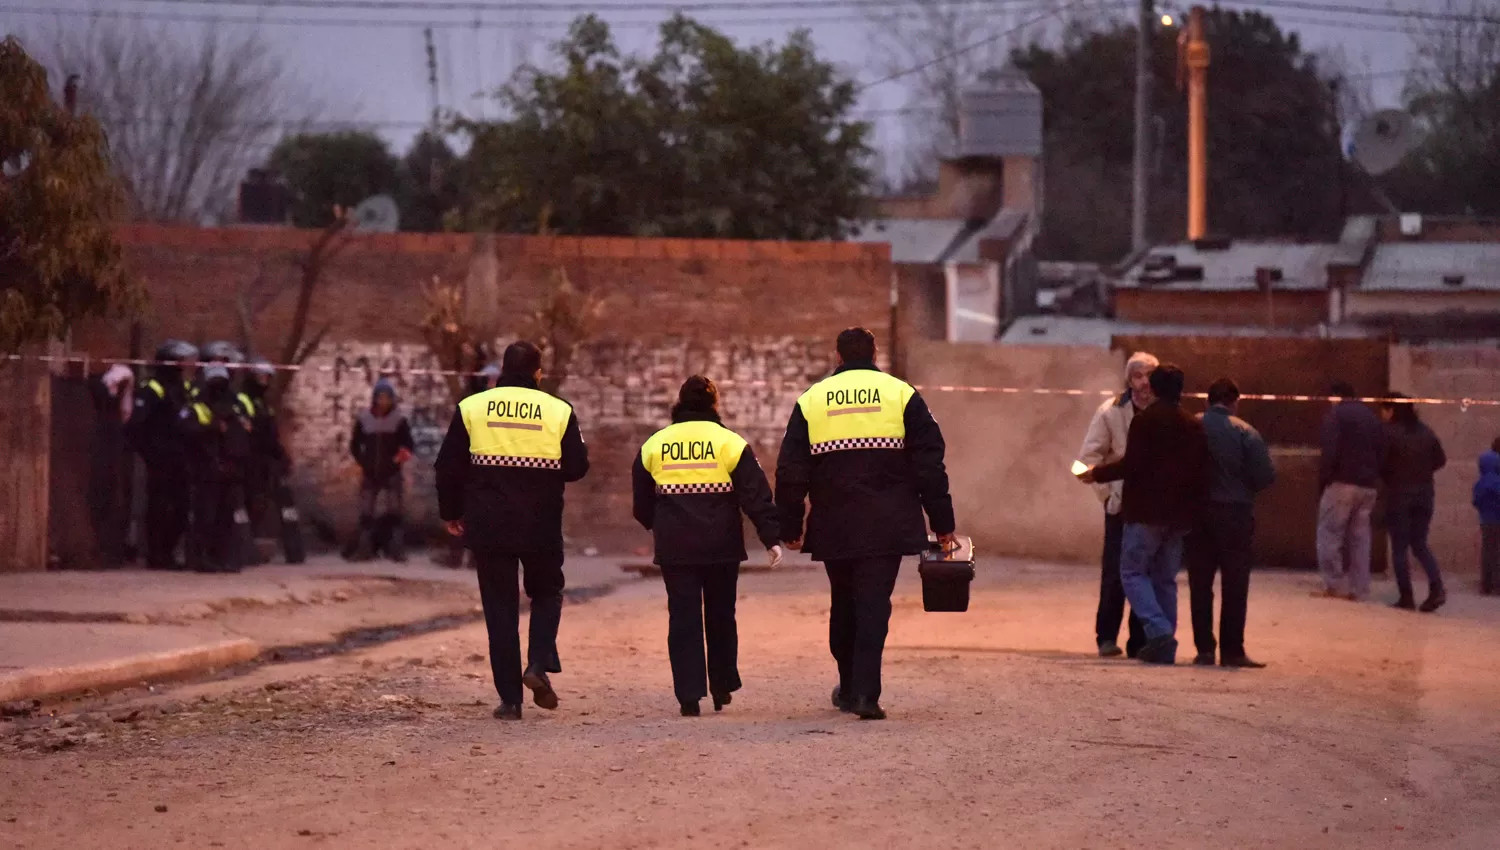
(1221, 543)
(168, 499)
(542, 575)
(700, 605)
(859, 620)
(1112, 592)
(220, 538)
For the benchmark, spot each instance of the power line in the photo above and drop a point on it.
(1365, 11)
(471, 6)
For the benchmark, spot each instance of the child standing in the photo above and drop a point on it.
(1487, 501)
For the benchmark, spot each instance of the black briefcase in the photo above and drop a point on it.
(946, 576)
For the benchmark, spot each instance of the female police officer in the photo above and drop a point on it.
(691, 480)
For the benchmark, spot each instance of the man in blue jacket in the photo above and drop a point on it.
(1240, 468)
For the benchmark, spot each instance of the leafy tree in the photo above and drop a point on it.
(429, 188)
(703, 139)
(325, 170)
(1454, 93)
(59, 202)
(1275, 168)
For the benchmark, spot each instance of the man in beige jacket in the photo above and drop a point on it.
(1105, 443)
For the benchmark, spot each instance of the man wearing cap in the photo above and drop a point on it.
(1104, 444)
(864, 448)
(501, 472)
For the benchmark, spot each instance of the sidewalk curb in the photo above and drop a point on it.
(58, 681)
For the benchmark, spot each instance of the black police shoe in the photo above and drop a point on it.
(691, 709)
(541, 688)
(840, 703)
(721, 700)
(868, 709)
(506, 711)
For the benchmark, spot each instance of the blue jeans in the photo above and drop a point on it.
(1410, 519)
(1149, 561)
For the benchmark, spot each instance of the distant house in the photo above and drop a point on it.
(1429, 281)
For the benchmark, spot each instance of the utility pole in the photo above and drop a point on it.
(1140, 198)
(432, 77)
(1196, 61)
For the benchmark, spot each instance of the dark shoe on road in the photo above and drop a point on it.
(690, 709)
(721, 700)
(1110, 649)
(868, 709)
(1243, 662)
(541, 689)
(1205, 659)
(1405, 603)
(840, 703)
(506, 711)
(1434, 602)
(1162, 650)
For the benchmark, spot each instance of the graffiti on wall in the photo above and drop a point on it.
(616, 384)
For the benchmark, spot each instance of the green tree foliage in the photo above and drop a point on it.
(1454, 93)
(703, 139)
(1275, 168)
(429, 188)
(59, 203)
(324, 170)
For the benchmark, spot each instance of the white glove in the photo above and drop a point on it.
(774, 556)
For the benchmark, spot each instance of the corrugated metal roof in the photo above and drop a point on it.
(1303, 265)
(1099, 333)
(1421, 267)
(924, 240)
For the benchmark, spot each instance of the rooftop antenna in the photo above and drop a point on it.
(1381, 142)
(376, 214)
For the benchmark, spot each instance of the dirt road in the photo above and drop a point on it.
(1372, 728)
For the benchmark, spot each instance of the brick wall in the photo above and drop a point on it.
(1288, 309)
(758, 316)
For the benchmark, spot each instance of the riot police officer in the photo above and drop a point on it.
(218, 430)
(863, 445)
(501, 471)
(269, 465)
(691, 480)
(154, 434)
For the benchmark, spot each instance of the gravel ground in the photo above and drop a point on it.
(1372, 728)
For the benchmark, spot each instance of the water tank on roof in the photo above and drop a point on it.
(1000, 116)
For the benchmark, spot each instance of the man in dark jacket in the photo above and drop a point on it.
(381, 444)
(1353, 453)
(1221, 541)
(500, 477)
(691, 482)
(1166, 474)
(154, 433)
(864, 447)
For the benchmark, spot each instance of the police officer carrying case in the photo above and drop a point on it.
(946, 575)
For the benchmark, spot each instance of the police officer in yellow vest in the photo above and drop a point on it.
(154, 433)
(217, 428)
(691, 481)
(500, 478)
(863, 445)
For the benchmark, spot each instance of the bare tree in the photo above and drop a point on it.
(565, 317)
(950, 43)
(185, 115)
(269, 283)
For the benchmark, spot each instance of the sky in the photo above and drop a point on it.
(365, 60)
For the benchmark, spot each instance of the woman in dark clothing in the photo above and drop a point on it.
(691, 481)
(1412, 454)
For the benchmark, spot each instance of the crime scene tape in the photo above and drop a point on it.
(84, 360)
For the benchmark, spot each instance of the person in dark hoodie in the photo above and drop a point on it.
(501, 471)
(691, 480)
(1487, 502)
(1166, 470)
(1412, 454)
(381, 444)
(1353, 452)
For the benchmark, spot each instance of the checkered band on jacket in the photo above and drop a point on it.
(859, 443)
(521, 462)
(686, 489)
